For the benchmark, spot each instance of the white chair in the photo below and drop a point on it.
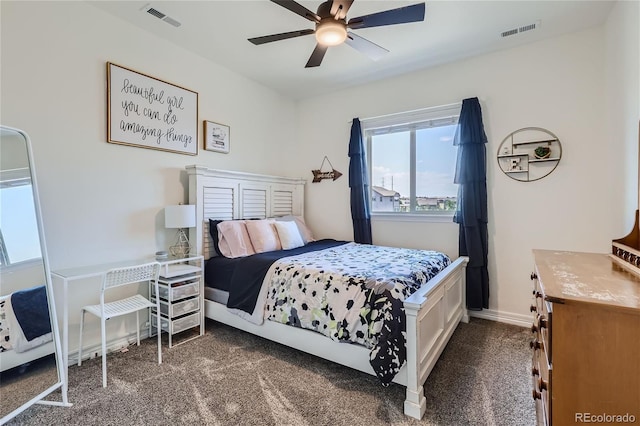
(105, 310)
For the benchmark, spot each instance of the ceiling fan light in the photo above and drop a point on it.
(331, 33)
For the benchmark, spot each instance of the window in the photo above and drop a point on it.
(412, 161)
(19, 238)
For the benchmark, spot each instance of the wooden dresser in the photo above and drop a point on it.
(586, 340)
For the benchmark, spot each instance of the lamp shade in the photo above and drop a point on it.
(330, 32)
(181, 216)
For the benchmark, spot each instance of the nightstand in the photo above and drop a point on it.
(181, 288)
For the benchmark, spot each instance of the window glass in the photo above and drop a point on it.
(19, 239)
(390, 165)
(412, 161)
(435, 169)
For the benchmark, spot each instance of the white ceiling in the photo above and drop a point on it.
(218, 30)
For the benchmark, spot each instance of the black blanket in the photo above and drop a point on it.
(32, 311)
(242, 277)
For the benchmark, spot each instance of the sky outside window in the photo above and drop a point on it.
(18, 223)
(435, 162)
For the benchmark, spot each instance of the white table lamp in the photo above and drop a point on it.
(182, 216)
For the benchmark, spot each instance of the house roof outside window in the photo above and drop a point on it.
(384, 191)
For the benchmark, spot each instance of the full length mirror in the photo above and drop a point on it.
(29, 344)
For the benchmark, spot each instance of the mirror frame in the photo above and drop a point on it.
(62, 380)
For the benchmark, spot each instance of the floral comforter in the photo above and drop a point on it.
(353, 293)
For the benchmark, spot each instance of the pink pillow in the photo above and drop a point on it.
(263, 235)
(234, 240)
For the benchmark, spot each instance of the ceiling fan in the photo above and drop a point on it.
(332, 26)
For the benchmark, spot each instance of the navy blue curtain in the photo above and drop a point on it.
(471, 212)
(359, 184)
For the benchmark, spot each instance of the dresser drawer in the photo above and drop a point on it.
(542, 310)
(179, 290)
(177, 309)
(544, 382)
(545, 326)
(178, 324)
(541, 384)
(542, 333)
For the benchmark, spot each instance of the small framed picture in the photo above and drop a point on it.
(216, 137)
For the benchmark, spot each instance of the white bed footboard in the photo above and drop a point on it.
(432, 312)
(11, 359)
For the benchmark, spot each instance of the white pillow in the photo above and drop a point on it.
(263, 235)
(289, 235)
(305, 232)
(233, 239)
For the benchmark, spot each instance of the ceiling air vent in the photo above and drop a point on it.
(527, 28)
(170, 20)
(155, 12)
(509, 33)
(521, 29)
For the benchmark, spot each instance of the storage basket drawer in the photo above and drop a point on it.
(173, 292)
(177, 309)
(176, 325)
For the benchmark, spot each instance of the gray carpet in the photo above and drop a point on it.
(229, 377)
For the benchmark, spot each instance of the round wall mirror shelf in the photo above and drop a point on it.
(529, 154)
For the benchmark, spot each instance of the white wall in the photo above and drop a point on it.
(104, 202)
(622, 97)
(556, 84)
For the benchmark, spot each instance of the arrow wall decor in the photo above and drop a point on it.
(318, 174)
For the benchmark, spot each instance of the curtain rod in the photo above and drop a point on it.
(415, 111)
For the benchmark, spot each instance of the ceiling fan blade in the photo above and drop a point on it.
(298, 9)
(401, 15)
(316, 57)
(365, 46)
(281, 36)
(339, 8)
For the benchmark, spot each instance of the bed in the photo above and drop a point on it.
(25, 327)
(430, 312)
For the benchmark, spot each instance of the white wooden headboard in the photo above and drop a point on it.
(224, 195)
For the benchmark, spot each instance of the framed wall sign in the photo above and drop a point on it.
(150, 113)
(216, 137)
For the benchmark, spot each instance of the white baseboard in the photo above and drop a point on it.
(123, 342)
(506, 317)
(112, 346)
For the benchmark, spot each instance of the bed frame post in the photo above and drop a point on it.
(415, 403)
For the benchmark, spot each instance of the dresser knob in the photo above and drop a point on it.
(535, 345)
(536, 394)
(533, 308)
(542, 384)
(535, 371)
(533, 276)
(542, 322)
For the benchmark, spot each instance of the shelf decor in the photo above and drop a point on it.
(542, 152)
(147, 112)
(529, 154)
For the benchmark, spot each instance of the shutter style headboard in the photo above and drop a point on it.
(225, 195)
